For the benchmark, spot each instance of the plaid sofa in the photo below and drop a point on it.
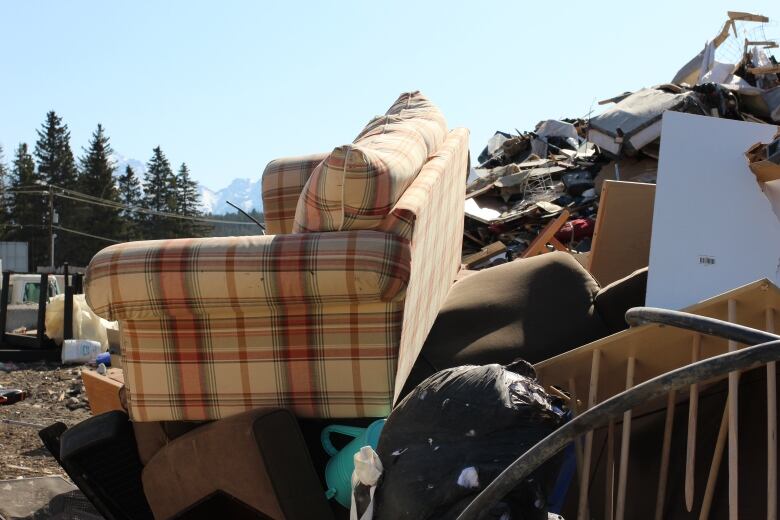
(327, 324)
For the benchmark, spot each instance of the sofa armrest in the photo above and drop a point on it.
(283, 182)
(231, 275)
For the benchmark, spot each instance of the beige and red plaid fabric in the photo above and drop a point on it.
(318, 361)
(357, 185)
(194, 277)
(326, 324)
(430, 214)
(213, 327)
(283, 182)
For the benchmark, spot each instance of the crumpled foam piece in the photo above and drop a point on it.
(469, 478)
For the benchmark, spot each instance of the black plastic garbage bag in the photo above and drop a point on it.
(454, 433)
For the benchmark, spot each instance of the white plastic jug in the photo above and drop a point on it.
(80, 351)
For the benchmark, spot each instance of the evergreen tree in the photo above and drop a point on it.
(233, 224)
(189, 198)
(159, 195)
(4, 214)
(28, 219)
(189, 204)
(57, 166)
(130, 195)
(97, 180)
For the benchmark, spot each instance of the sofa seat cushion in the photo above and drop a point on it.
(358, 184)
(532, 309)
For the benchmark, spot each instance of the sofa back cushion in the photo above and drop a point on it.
(358, 184)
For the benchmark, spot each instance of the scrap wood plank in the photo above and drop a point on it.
(746, 17)
(665, 452)
(609, 498)
(693, 414)
(717, 456)
(483, 254)
(767, 44)
(733, 410)
(620, 507)
(582, 511)
(474, 238)
(768, 69)
(539, 245)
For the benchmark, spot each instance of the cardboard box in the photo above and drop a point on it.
(105, 393)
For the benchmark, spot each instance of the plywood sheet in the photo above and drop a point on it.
(713, 228)
(621, 240)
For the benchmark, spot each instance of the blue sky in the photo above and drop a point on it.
(227, 86)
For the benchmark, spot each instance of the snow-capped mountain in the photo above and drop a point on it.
(121, 162)
(245, 193)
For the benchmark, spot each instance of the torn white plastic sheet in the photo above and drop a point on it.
(707, 60)
(720, 73)
(368, 470)
(553, 128)
(483, 214)
(713, 228)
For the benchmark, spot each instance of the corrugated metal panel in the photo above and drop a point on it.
(14, 256)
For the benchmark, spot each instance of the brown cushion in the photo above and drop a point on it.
(615, 299)
(258, 457)
(533, 309)
(151, 437)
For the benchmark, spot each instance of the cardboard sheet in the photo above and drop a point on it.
(713, 228)
(621, 241)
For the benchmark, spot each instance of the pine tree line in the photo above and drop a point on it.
(25, 199)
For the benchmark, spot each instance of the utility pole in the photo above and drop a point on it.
(51, 227)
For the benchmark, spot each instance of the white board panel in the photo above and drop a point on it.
(713, 228)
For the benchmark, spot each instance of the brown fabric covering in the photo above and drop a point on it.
(532, 309)
(615, 299)
(258, 457)
(150, 438)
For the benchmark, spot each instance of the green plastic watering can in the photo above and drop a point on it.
(338, 472)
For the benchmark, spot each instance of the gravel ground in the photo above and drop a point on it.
(55, 393)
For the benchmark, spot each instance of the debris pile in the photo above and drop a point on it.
(524, 182)
(54, 393)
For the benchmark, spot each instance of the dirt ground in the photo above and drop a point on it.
(55, 393)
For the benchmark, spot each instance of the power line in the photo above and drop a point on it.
(150, 211)
(60, 228)
(89, 199)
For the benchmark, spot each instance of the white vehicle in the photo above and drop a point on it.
(26, 289)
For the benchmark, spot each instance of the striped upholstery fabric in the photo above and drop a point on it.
(212, 327)
(194, 277)
(326, 324)
(283, 182)
(430, 214)
(318, 361)
(357, 185)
